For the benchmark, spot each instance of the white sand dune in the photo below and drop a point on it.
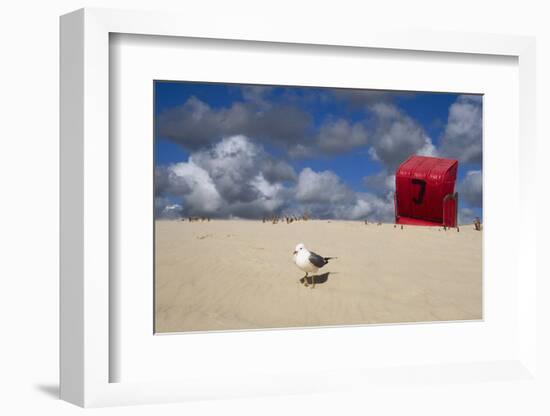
(236, 274)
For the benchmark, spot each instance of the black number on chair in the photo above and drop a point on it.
(418, 199)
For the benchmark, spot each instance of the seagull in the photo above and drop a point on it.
(308, 261)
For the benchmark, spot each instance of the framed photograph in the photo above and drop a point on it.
(245, 216)
(352, 172)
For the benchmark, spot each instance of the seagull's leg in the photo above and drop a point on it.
(313, 282)
(305, 280)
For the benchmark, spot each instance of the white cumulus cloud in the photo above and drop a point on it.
(462, 138)
(338, 136)
(235, 177)
(397, 136)
(324, 195)
(471, 188)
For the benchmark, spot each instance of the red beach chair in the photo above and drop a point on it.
(424, 192)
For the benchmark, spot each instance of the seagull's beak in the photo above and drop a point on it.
(294, 252)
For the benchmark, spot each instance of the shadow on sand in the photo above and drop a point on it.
(317, 279)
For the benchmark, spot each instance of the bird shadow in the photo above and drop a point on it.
(317, 279)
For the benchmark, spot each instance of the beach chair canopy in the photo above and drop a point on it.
(424, 191)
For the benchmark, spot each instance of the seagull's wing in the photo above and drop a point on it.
(316, 259)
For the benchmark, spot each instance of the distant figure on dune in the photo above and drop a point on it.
(309, 262)
(477, 224)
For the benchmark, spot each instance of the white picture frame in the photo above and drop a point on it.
(86, 355)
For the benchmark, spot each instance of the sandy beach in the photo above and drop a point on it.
(238, 274)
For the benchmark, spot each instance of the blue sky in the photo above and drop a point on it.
(227, 150)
